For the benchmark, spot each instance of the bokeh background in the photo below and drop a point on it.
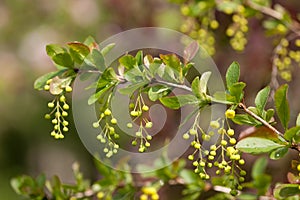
(26, 26)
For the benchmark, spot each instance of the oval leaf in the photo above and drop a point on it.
(282, 191)
(232, 74)
(278, 153)
(261, 99)
(256, 145)
(282, 105)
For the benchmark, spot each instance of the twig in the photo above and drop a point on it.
(261, 120)
(293, 26)
(184, 87)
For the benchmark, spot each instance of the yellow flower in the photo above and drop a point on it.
(230, 113)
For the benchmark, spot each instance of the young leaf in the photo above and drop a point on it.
(172, 61)
(236, 90)
(139, 59)
(53, 49)
(196, 87)
(203, 82)
(41, 81)
(89, 41)
(261, 99)
(78, 51)
(269, 114)
(63, 59)
(94, 97)
(107, 48)
(128, 61)
(132, 88)
(278, 153)
(244, 119)
(256, 145)
(96, 59)
(290, 133)
(232, 74)
(175, 102)
(223, 98)
(282, 105)
(158, 91)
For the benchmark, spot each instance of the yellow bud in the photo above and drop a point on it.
(214, 24)
(230, 113)
(149, 190)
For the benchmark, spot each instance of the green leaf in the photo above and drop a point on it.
(129, 90)
(290, 133)
(186, 68)
(269, 114)
(63, 59)
(96, 59)
(107, 48)
(283, 191)
(176, 102)
(236, 90)
(259, 167)
(109, 74)
(128, 61)
(244, 119)
(298, 120)
(134, 75)
(261, 99)
(139, 59)
(155, 66)
(256, 145)
(158, 91)
(188, 176)
(223, 97)
(78, 51)
(278, 153)
(90, 41)
(172, 61)
(282, 105)
(53, 49)
(203, 82)
(42, 80)
(196, 87)
(262, 183)
(232, 74)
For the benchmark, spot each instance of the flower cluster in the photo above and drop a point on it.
(108, 133)
(237, 30)
(284, 56)
(222, 155)
(200, 24)
(59, 110)
(149, 192)
(141, 135)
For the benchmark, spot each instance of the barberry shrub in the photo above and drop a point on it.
(218, 168)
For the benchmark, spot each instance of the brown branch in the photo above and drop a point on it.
(265, 123)
(294, 26)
